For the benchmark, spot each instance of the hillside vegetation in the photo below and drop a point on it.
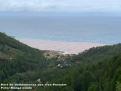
(96, 69)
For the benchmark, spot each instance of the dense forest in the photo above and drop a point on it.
(96, 69)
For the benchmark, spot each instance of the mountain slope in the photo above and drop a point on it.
(16, 57)
(97, 69)
(8, 43)
(97, 54)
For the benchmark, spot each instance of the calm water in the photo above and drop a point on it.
(104, 29)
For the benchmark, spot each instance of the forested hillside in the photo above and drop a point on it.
(96, 69)
(16, 58)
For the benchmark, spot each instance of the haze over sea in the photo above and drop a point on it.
(62, 32)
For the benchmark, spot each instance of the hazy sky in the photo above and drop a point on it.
(61, 5)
